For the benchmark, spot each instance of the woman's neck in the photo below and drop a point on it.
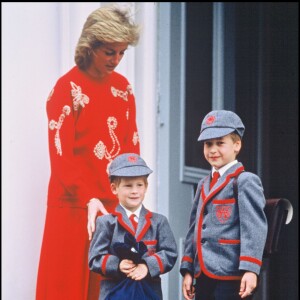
(94, 74)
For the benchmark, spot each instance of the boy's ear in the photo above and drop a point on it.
(113, 188)
(238, 146)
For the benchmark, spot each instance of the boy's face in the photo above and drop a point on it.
(221, 151)
(130, 191)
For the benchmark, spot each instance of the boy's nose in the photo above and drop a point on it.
(134, 190)
(213, 149)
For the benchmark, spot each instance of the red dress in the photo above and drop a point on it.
(90, 123)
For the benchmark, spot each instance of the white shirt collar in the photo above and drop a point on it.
(136, 212)
(224, 168)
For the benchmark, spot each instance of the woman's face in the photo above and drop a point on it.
(106, 58)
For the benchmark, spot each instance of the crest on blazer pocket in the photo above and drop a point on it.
(223, 213)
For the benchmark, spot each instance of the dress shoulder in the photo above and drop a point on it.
(119, 77)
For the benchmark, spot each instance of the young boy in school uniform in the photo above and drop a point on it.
(128, 176)
(227, 232)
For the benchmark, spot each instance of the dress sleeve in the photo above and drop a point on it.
(61, 133)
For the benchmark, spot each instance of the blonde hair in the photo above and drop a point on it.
(235, 137)
(108, 24)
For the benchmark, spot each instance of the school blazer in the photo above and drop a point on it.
(226, 236)
(153, 229)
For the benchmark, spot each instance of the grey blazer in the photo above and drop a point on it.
(153, 229)
(226, 236)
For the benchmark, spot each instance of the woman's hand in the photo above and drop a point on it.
(94, 206)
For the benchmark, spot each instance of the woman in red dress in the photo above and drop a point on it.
(92, 118)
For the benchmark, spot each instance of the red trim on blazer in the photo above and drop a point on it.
(187, 258)
(221, 277)
(211, 194)
(223, 241)
(148, 242)
(148, 216)
(160, 264)
(105, 259)
(251, 259)
(123, 224)
(225, 201)
(198, 274)
(199, 240)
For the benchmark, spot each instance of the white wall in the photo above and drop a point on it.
(38, 43)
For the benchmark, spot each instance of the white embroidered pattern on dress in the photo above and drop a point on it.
(57, 125)
(122, 94)
(78, 97)
(135, 138)
(100, 149)
(129, 89)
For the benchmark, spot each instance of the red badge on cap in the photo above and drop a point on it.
(132, 159)
(210, 120)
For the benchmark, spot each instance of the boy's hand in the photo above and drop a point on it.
(139, 273)
(248, 284)
(187, 287)
(126, 266)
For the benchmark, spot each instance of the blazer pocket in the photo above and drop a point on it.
(224, 211)
(229, 242)
(151, 245)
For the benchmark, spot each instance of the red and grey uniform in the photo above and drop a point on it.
(153, 229)
(226, 236)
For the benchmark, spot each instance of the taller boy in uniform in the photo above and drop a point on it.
(228, 228)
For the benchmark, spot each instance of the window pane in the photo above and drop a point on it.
(198, 93)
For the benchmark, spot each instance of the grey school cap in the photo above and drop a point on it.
(128, 165)
(219, 123)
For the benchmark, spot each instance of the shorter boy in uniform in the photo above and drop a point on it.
(128, 176)
(228, 228)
